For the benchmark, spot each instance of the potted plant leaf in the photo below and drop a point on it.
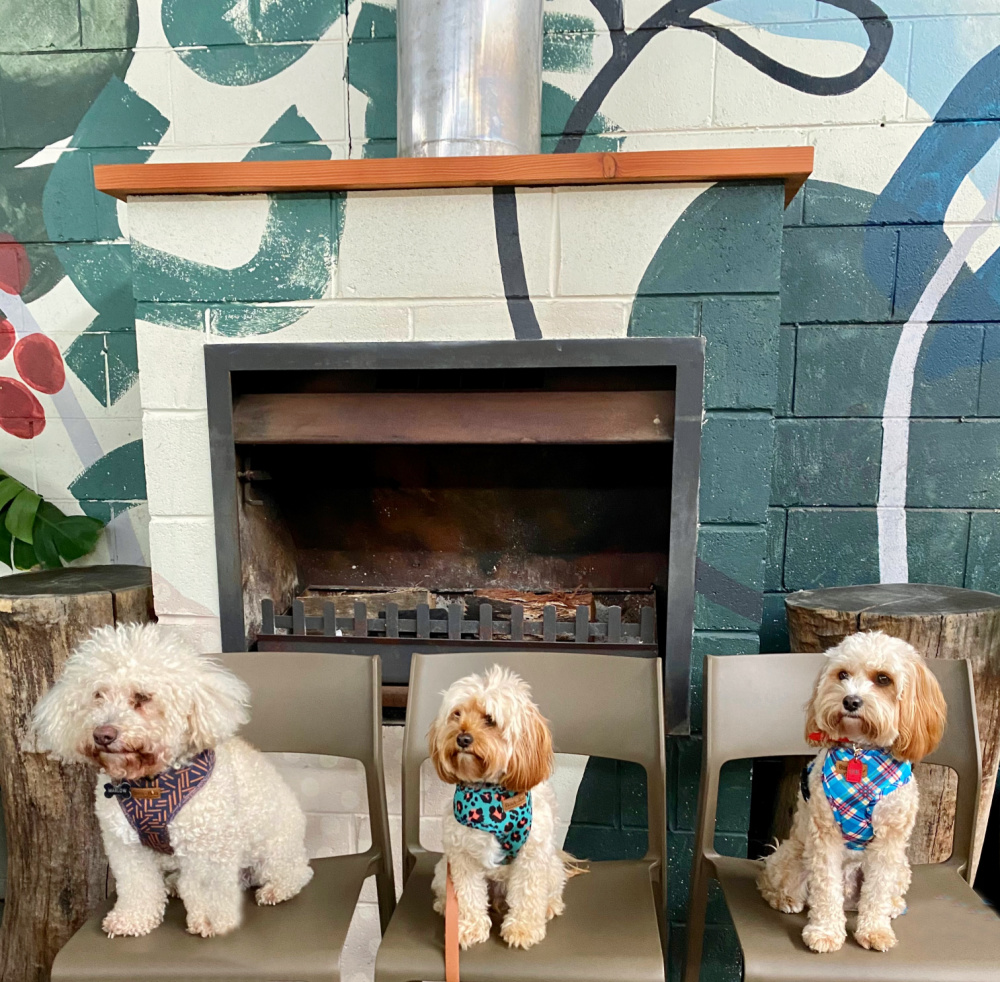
(33, 532)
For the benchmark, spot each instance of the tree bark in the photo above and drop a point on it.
(940, 622)
(56, 870)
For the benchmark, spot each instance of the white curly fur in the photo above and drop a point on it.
(512, 747)
(902, 709)
(166, 703)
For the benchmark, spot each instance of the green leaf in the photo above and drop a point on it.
(24, 555)
(73, 536)
(45, 546)
(21, 515)
(6, 540)
(9, 489)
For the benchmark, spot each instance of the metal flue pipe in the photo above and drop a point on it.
(470, 77)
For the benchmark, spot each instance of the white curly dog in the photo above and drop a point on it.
(491, 742)
(157, 719)
(875, 711)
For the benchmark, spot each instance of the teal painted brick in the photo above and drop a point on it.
(721, 960)
(989, 383)
(786, 370)
(773, 572)
(714, 643)
(826, 462)
(728, 240)
(954, 464)
(936, 546)
(793, 213)
(983, 568)
(69, 194)
(680, 851)
(735, 467)
(741, 351)
(664, 317)
(843, 371)
(830, 547)
(34, 27)
(599, 843)
(633, 792)
(774, 625)
(730, 602)
(109, 23)
(946, 382)
(733, 807)
(601, 810)
(835, 204)
(824, 275)
(188, 316)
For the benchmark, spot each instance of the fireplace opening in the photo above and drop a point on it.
(450, 499)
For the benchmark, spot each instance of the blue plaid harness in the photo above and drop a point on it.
(492, 808)
(855, 781)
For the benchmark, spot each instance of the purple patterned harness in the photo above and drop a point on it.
(151, 803)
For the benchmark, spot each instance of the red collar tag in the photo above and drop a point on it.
(855, 771)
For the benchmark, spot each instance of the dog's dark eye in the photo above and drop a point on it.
(844, 676)
(882, 679)
(489, 720)
(98, 696)
(140, 699)
(457, 713)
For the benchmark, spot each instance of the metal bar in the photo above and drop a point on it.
(582, 623)
(423, 621)
(360, 619)
(614, 624)
(392, 620)
(298, 617)
(330, 620)
(549, 623)
(517, 622)
(485, 622)
(267, 616)
(647, 625)
(454, 621)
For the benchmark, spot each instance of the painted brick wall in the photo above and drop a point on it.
(897, 228)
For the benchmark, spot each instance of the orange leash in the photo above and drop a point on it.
(450, 931)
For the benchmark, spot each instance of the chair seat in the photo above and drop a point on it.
(300, 939)
(947, 935)
(608, 932)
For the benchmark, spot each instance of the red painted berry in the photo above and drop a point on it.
(7, 337)
(39, 363)
(21, 414)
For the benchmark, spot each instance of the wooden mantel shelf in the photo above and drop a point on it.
(789, 164)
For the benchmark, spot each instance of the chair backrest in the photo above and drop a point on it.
(319, 703)
(755, 707)
(597, 705)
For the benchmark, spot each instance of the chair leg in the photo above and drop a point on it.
(697, 907)
(386, 890)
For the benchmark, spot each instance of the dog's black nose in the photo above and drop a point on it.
(104, 736)
(464, 740)
(852, 703)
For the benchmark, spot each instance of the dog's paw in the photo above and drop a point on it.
(519, 934)
(555, 908)
(782, 901)
(875, 938)
(822, 939)
(473, 930)
(130, 923)
(212, 925)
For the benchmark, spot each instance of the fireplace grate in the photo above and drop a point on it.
(450, 623)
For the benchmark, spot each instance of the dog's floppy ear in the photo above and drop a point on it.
(922, 715)
(54, 721)
(219, 704)
(435, 752)
(531, 761)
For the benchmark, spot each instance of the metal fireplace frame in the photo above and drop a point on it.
(684, 354)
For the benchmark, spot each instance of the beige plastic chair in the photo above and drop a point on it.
(613, 927)
(302, 702)
(754, 707)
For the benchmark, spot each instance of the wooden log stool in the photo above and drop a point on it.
(940, 622)
(56, 870)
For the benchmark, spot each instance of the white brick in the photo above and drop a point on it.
(673, 73)
(392, 766)
(240, 114)
(357, 962)
(329, 789)
(435, 795)
(430, 834)
(330, 835)
(745, 96)
(608, 236)
(202, 632)
(171, 367)
(480, 321)
(863, 157)
(582, 318)
(368, 892)
(185, 578)
(437, 243)
(178, 466)
(339, 320)
(221, 230)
